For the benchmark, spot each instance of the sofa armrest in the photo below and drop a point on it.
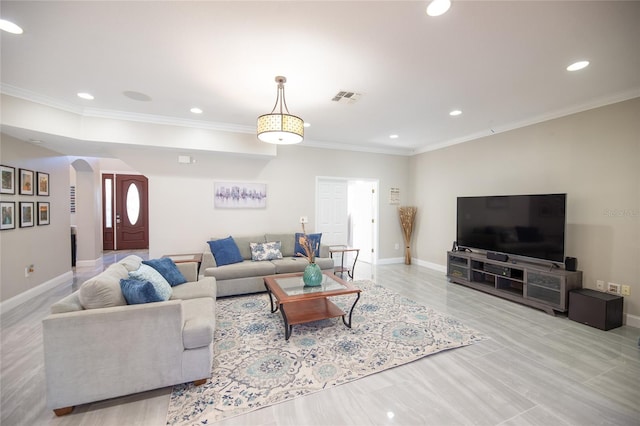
(324, 250)
(97, 354)
(208, 261)
(189, 270)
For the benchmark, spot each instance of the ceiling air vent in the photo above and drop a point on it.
(346, 97)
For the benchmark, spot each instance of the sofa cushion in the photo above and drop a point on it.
(314, 239)
(70, 303)
(103, 290)
(131, 262)
(147, 273)
(245, 269)
(168, 269)
(265, 251)
(290, 265)
(137, 291)
(244, 244)
(325, 263)
(287, 243)
(205, 287)
(225, 251)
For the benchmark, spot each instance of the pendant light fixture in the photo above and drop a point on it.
(279, 127)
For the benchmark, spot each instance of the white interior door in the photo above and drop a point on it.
(332, 214)
(362, 204)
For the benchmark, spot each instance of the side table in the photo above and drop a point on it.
(342, 249)
(188, 257)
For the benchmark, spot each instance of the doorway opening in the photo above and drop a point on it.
(347, 214)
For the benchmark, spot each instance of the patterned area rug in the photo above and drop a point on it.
(254, 366)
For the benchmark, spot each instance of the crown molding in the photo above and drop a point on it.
(407, 152)
(17, 92)
(166, 120)
(28, 95)
(592, 104)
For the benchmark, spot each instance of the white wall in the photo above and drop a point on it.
(593, 156)
(183, 217)
(48, 247)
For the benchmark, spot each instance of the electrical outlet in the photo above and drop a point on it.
(626, 290)
(304, 219)
(600, 285)
(28, 270)
(613, 288)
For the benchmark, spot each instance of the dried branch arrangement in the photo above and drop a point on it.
(407, 217)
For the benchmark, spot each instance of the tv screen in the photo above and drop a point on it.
(523, 225)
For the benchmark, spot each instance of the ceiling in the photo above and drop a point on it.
(502, 63)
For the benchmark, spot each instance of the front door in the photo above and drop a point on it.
(132, 216)
(125, 212)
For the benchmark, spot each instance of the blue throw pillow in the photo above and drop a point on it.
(136, 292)
(225, 251)
(167, 269)
(313, 238)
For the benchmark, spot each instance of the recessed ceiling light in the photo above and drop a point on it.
(438, 7)
(578, 65)
(455, 112)
(307, 124)
(85, 95)
(394, 136)
(9, 27)
(196, 110)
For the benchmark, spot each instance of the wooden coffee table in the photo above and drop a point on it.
(299, 304)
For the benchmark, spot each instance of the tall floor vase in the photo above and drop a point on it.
(407, 217)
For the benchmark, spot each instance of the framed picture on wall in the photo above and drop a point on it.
(26, 214)
(8, 175)
(237, 195)
(43, 213)
(7, 215)
(26, 182)
(43, 183)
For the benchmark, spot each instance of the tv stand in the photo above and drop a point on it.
(532, 285)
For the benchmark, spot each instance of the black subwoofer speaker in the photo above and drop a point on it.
(497, 256)
(571, 264)
(595, 308)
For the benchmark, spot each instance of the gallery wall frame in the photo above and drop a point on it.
(43, 213)
(26, 182)
(8, 179)
(26, 214)
(7, 215)
(240, 195)
(43, 183)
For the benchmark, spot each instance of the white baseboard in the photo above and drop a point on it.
(89, 263)
(390, 261)
(430, 265)
(632, 320)
(15, 301)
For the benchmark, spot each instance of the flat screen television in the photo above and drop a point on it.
(531, 226)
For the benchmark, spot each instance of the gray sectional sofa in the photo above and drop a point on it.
(247, 276)
(97, 347)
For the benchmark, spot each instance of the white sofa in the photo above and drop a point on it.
(101, 353)
(248, 276)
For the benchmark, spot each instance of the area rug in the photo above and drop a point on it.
(254, 366)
